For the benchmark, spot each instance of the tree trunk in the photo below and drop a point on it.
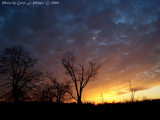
(79, 100)
(15, 95)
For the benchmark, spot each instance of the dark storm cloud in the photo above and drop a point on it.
(118, 33)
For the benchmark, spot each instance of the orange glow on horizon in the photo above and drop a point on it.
(152, 93)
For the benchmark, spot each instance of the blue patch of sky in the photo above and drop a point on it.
(95, 34)
(102, 43)
(9, 15)
(28, 31)
(70, 41)
(113, 1)
(123, 36)
(122, 19)
(65, 17)
(96, 31)
(150, 19)
(1, 22)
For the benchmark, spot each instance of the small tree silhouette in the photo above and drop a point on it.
(17, 67)
(59, 90)
(47, 93)
(132, 90)
(102, 99)
(79, 75)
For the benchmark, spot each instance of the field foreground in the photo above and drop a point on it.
(46, 107)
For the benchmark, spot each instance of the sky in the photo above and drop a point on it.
(122, 35)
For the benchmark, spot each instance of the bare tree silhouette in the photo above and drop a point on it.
(19, 75)
(47, 93)
(59, 90)
(79, 75)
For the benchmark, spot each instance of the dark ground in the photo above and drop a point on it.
(53, 109)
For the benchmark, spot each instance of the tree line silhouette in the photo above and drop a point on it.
(21, 80)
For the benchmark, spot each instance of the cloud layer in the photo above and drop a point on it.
(123, 35)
